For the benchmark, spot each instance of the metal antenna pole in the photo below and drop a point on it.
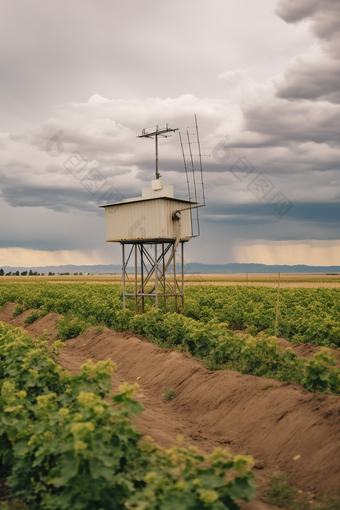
(186, 173)
(200, 159)
(195, 188)
(185, 165)
(156, 143)
(192, 166)
(160, 131)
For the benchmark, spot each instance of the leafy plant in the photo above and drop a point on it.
(13, 505)
(328, 503)
(280, 493)
(63, 445)
(283, 495)
(168, 395)
(205, 328)
(317, 373)
(98, 329)
(33, 316)
(68, 328)
(19, 309)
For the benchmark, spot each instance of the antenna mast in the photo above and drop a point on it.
(159, 131)
(195, 189)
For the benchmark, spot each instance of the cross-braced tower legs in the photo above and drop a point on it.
(152, 273)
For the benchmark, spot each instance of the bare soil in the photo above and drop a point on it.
(284, 427)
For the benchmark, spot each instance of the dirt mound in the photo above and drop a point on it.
(283, 343)
(275, 422)
(302, 350)
(48, 322)
(36, 328)
(281, 425)
(6, 315)
(306, 351)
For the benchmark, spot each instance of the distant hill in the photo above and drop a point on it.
(195, 267)
(190, 268)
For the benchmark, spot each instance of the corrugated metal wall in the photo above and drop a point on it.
(151, 219)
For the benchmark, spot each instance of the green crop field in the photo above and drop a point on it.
(206, 327)
(66, 443)
(63, 445)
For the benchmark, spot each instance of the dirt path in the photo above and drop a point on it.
(272, 421)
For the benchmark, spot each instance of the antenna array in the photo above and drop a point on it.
(155, 133)
(194, 174)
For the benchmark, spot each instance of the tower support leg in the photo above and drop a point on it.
(175, 278)
(142, 274)
(156, 278)
(155, 281)
(123, 256)
(136, 276)
(164, 281)
(182, 263)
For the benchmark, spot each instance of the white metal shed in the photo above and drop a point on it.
(149, 217)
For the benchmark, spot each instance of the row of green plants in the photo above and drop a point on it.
(305, 315)
(213, 342)
(66, 443)
(220, 348)
(210, 340)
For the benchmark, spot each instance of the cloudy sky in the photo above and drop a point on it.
(80, 79)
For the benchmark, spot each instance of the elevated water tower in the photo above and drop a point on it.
(152, 227)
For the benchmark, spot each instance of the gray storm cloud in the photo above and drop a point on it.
(317, 76)
(293, 11)
(285, 122)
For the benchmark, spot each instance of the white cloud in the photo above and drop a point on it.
(243, 89)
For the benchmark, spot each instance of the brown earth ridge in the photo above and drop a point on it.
(283, 426)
